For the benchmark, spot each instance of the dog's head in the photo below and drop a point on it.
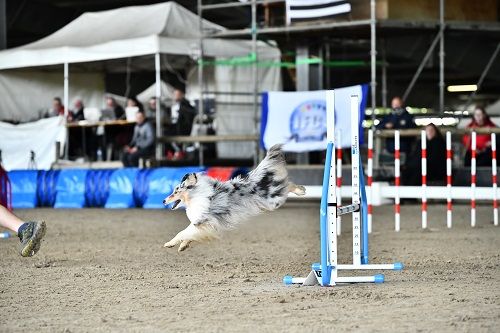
(181, 191)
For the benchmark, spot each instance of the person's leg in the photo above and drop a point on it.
(125, 159)
(9, 220)
(134, 159)
(30, 233)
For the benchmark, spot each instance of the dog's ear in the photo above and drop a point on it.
(189, 179)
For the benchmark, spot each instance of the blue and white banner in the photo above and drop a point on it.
(298, 119)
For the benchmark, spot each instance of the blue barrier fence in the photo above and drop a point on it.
(118, 188)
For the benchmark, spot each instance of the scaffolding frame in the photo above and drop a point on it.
(372, 23)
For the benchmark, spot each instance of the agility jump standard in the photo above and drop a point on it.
(326, 272)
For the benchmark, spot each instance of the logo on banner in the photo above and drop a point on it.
(308, 121)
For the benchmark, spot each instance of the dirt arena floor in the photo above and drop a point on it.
(106, 271)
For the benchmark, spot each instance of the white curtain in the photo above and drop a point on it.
(17, 142)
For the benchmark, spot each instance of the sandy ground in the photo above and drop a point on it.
(105, 271)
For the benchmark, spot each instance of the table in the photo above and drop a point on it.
(84, 124)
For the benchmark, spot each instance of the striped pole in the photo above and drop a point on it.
(448, 179)
(494, 176)
(397, 207)
(339, 178)
(369, 174)
(423, 140)
(473, 181)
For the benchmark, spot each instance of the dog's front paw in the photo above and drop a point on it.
(172, 243)
(184, 245)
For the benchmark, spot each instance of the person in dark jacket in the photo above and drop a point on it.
(77, 111)
(436, 159)
(182, 113)
(399, 118)
(119, 112)
(142, 144)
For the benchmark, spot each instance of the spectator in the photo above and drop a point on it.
(78, 110)
(117, 113)
(134, 102)
(182, 113)
(142, 144)
(436, 159)
(57, 107)
(480, 119)
(151, 109)
(399, 118)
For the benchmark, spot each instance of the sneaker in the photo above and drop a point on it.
(31, 238)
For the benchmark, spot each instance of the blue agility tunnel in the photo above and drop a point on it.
(46, 187)
(162, 182)
(121, 188)
(24, 188)
(71, 189)
(97, 187)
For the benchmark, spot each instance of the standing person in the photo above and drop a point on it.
(399, 118)
(182, 113)
(142, 144)
(480, 119)
(436, 159)
(77, 111)
(180, 122)
(30, 233)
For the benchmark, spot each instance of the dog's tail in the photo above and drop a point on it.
(276, 153)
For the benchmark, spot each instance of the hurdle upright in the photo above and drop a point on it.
(325, 273)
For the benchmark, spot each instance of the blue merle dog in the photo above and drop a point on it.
(214, 206)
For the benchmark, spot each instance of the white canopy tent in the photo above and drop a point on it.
(166, 30)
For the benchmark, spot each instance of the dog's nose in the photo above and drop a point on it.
(164, 201)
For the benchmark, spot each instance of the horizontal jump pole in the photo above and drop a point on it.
(385, 191)
(397, 266)
(207, 138)
(389, 133)
(379, 278)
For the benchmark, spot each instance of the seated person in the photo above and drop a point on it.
(77, 111)
(399, 118)
(480, 119)
(436, 159)
(133, 106)
(113, 110)
(142, 144)
(134, 102)
(57, 107)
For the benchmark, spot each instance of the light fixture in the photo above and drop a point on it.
(462, 88)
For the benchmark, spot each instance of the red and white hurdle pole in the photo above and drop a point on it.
(448, 179)
(423, 140)
(473, 180)
(338, 193)
(397, 182)
(369, 175)
(494, 176)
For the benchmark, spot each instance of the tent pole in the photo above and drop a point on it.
(159, 130)
(441, 57)
(200, 76)
(373, 57)
(255, 76)
(66, 107)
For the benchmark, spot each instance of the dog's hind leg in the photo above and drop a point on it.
(296, 189)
